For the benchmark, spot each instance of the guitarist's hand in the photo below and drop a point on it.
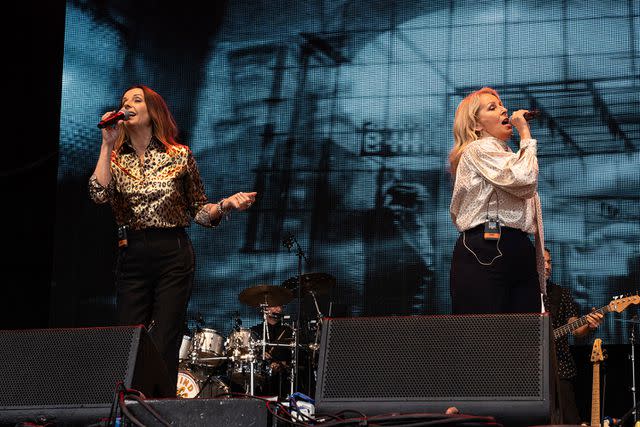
(593, 321)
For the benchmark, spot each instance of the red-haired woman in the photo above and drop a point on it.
(495, 207)
(153, 185)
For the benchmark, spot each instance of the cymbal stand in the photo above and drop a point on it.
(288, 242)
(265, 329)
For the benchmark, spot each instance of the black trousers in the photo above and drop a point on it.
(154, 278)
(508, 285)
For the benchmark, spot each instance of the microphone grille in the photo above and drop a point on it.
(532, 114)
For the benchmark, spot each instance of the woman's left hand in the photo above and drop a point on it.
(239, 201)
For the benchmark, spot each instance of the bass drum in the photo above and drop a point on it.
(196, 384)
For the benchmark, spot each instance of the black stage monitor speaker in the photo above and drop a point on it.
(492, 365)
(205, 412)
(48, 374)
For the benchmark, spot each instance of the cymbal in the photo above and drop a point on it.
(265, 294)
(318, 283)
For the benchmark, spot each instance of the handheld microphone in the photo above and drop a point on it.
(531, 114)
(113, 119)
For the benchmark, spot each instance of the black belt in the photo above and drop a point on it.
(480, 229)
(156, 231)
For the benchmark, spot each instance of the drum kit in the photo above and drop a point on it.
(214, 366)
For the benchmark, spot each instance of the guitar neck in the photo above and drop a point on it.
(570, 327)
(595, 396)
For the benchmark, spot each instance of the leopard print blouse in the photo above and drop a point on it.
(163, 191)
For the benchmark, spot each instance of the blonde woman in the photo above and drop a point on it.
(495, 208)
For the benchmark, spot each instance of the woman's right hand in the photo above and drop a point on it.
(518, 121)
(110, 133)
(109, 137)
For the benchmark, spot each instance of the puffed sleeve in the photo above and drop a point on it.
(516, 173)
(195, 194)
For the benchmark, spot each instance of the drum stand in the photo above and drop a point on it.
(206, 382)
(252, 385)
(293, 370)
(251, 358)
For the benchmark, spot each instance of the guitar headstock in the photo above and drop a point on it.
(620, 303)
(596, 352)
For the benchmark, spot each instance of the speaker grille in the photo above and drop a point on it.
(449, 358)
(53, 367)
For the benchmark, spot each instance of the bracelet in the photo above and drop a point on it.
(223, 212)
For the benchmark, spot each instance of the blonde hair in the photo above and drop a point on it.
(464, 125)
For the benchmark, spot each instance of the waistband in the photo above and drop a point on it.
(480, 229)
(152, 231)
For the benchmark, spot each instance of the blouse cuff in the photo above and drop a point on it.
(204, 218)
(98, 192)
(530, 144)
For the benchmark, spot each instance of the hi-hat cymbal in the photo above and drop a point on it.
(318, 283)
(269, 295)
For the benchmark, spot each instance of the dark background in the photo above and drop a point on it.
(29, 165)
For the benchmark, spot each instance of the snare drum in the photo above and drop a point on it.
(196, 384)
(208, 343)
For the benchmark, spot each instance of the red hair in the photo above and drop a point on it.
(163, 125)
